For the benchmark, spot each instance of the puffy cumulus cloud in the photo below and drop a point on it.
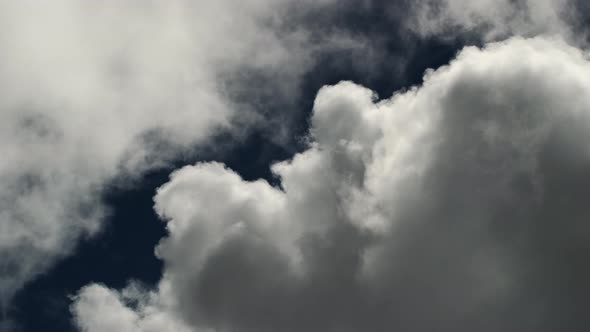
(93, 91)
(114, 315)
(458, 205)
(498, 19)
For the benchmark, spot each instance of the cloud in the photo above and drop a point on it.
(114, 315)
(455, 205)
(93, 92)
(494, 20)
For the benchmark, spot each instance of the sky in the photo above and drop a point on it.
(297, 166)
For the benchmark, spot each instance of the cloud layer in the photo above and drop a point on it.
(93, 92)
(456, 205)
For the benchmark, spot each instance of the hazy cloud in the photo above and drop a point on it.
(499, 19)
(90, 92)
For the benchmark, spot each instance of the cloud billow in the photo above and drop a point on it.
(455, 205)
(93, 93)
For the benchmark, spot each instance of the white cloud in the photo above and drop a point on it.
(433, 209)
(101, 309)
(92, 91)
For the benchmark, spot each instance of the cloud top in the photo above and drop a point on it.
(447, 206)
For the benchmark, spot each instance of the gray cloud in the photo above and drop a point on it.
(456, 205)
(92, 92)
(491, 20)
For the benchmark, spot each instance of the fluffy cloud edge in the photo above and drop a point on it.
(362, 148)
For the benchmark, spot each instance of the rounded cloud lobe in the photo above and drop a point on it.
(456, 205)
